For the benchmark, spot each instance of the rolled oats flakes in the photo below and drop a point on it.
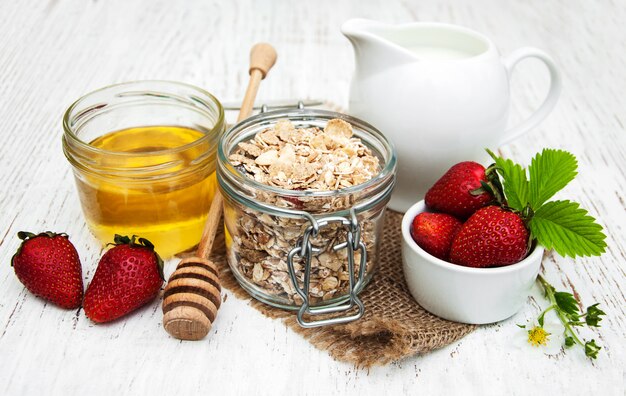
(300, 159)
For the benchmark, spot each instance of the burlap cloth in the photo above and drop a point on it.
(394, 325)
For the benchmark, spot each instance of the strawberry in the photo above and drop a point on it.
(491, 237)
(434, 232)
(128, 276)
(462, 190)
(49, 266)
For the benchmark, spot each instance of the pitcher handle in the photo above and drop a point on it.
(549, 102)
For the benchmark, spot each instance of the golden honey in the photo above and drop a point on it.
(143, 156)
(170, 213)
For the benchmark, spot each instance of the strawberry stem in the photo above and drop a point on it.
(121, 240)
(493, 185)
(527, 215)
(24, 235)
(549, 291)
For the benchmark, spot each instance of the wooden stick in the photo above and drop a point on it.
(210, 227)
(262, 58)
(193, 293)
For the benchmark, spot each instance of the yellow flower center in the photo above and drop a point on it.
(537, 336)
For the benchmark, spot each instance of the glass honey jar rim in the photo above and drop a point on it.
(69, 118)
(232, 180)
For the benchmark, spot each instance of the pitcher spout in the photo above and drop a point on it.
(357, 26)
(373, 48)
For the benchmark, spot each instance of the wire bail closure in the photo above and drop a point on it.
(306, 251)
(300, 105)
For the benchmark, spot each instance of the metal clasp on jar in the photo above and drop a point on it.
(306, 251)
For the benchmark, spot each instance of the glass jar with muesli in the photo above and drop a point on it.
(304, 193)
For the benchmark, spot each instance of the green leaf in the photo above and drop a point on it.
(567, 304)
(24, 235)
(569, 341)
(566, 228)
(592, 349)
(145, 242)
(593, 315)
(515, 182)
(550, 171)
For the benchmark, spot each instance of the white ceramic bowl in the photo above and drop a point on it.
(464, 294)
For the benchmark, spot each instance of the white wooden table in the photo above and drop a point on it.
(52, 52)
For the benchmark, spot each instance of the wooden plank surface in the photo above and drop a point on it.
(52, 52)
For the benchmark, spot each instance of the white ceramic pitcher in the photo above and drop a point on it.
(440, 92)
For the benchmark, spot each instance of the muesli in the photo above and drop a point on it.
(300, 159)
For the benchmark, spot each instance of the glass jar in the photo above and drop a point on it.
(313, 251)
(143, 156)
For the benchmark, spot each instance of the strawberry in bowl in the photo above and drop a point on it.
(462, 293)
(434, 232)
(481, 271)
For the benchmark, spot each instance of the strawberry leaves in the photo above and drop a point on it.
(567, 304)
(559, 225)
(566, 228)
(515, 182)
(550, 171)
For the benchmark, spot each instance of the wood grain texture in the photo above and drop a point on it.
(52, 52)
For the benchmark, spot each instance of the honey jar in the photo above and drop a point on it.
(143, 156)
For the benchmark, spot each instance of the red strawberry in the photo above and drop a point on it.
(49, 266)
(458, 192)
(434, 232)
(128, 276)
(491, 237)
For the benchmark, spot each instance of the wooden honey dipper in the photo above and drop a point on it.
(192, 295)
